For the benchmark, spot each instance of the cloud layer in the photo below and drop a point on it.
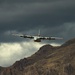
(12, 52)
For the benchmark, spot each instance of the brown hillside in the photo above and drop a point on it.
(48, 60)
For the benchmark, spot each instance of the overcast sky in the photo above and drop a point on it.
(53, 17)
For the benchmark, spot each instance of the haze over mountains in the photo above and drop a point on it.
(48, 60)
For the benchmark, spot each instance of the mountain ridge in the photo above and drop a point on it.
(48, 60)
(69, 42)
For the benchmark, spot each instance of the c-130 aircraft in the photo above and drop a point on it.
(37, 38)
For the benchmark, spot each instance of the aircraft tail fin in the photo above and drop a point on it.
(39, 33)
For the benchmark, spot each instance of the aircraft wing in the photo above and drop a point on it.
(50, 38)
(24, 36)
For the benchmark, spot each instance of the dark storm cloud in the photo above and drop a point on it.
(28, 16)
(28, 1)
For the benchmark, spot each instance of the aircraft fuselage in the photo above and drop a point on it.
(37, 39)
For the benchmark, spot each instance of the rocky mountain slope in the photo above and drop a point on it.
(48, 60)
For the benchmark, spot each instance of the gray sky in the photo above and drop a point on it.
(53, 17)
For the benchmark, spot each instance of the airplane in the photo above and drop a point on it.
(37, 38)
